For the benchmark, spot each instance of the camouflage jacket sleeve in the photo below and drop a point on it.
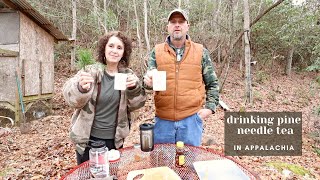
(136, 96)
(152, 64)
(72, 95)
(211, 81)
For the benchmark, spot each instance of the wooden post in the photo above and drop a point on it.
(74, 34)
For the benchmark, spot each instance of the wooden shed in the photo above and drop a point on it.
(26, 59)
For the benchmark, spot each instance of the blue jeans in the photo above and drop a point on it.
(189, 130)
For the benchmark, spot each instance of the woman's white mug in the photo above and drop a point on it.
(120, 80)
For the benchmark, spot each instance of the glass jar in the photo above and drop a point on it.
(180, 157)
(98, 159)
(137, 152)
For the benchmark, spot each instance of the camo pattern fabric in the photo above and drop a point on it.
(84, 104)
(208, 73)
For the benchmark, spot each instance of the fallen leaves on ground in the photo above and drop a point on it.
(47, 153)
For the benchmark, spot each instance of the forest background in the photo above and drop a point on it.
(284, 62)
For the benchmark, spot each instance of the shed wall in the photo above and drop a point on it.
(9, 40)
(36, 49)
(8, 86)
(9, 28)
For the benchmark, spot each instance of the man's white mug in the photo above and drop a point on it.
(159, 80)
(120, 80)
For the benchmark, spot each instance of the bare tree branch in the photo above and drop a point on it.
(242, 32)
(257, 19)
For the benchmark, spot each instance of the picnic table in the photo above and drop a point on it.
(162, 155)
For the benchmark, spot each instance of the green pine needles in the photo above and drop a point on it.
(84, 58)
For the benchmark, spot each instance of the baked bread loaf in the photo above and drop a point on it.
(158, 173)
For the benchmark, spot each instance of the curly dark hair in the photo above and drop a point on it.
(124, 62)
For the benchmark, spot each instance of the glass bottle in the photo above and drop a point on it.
(137, 152)
(98, 159)
(180, 157)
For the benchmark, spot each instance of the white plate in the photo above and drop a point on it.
(223, 169)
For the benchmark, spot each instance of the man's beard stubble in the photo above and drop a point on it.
(177, 37)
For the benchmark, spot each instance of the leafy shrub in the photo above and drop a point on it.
(317, 111)
(296, 169)
(318, 80)
(314, 66)
(257, 96)
(262, 77)
(316, 150)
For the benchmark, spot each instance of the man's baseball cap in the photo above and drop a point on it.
(178, 11)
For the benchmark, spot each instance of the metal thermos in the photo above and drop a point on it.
(146, 137)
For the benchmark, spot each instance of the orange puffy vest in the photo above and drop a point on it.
(185, 93)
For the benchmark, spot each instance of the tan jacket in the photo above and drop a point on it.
(185, 94)
(84, 104)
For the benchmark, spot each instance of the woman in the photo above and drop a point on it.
(103, 113)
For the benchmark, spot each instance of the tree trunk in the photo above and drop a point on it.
(216, 18)
(216, 29)
(258, 18)
(289, 61)
(230, 58)
(105, 15)
(146, 34)
(95, 11)
(96, 15)
(241, 60)
(260, 6)
(187, 4)
(246, 27)
(74, 34)
(219, 54)
(138, 24)
(241, 33)
(128, 24)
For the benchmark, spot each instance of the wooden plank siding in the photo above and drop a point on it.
(8, 86)
(36, 48)
(26, 43)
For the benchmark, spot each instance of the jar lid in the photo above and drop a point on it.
(98, 144)
(180, 144)
(113, 155)
(146, 126)
(136, 146)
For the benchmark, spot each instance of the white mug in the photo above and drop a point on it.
(159, 80)
(120, 80)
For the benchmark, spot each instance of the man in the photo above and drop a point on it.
(191, 83)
